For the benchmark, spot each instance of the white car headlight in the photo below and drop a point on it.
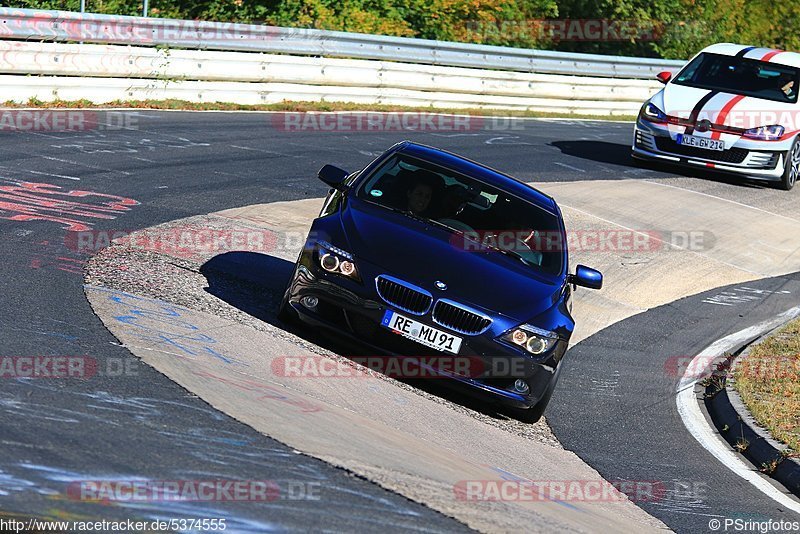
(765, 133)
(534, 340)
(651, 112)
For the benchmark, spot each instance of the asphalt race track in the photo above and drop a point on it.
(627, 376)
(615, 405)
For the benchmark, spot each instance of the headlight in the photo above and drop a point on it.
(652, 113)
(335, 260)
(765, 133)
(534, 340)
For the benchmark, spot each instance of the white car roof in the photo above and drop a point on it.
(780, 57)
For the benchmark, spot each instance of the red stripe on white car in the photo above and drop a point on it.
(723, 114)
(768, 56)
(757, 53)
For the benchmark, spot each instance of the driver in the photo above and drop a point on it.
(787, 86)
(420, 195)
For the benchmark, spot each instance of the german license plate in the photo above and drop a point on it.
(421, 333)
(700, 142)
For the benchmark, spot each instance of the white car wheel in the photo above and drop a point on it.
(792, 170)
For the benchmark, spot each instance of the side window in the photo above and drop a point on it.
(689, 72)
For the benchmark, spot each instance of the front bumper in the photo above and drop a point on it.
(763, 160)
(354, 311)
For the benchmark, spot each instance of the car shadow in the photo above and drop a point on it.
(620, 154)
(254, 283)
(597, 151)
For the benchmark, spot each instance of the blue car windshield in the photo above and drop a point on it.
(479, 216)
(741, 76)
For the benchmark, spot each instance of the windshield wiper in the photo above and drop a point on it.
(412, 215)
(416, 217)
(510, 253)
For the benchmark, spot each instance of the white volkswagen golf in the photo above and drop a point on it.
(732, 108)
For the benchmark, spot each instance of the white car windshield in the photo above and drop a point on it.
(741, 76)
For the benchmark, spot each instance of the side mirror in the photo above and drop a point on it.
(586, 277)
(333, 176)
(664, 77)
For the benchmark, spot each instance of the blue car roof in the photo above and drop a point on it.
(481, 172)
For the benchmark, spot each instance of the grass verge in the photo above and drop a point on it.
(768, 380)
(298, 107)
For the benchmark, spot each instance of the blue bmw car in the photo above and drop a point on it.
(427, 255)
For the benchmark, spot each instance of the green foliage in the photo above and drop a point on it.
(366, 16)
(64, 5)
(656, 28)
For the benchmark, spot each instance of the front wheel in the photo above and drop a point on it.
(792, 169)
(286, 313)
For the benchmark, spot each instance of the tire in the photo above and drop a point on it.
(535, 412)
(286, 314)
(792, 169)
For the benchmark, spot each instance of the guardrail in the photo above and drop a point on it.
(250, 64)
(102, 73)
(62, 26)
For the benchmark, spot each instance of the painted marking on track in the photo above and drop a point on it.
(141, 159)
(636, 172)
(262, 391)
(264, 151)
(740, 295)
(165, 325)
(568, 166)
(79, 164)
(698, 427)
(606, 387)
(495, 141)
(74, 209)
(40, 134)
(587, 123)
(51, 174)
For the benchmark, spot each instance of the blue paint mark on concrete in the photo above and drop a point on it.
(162, 323)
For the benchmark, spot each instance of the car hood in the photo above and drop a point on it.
(740, 111)
(422, 254)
